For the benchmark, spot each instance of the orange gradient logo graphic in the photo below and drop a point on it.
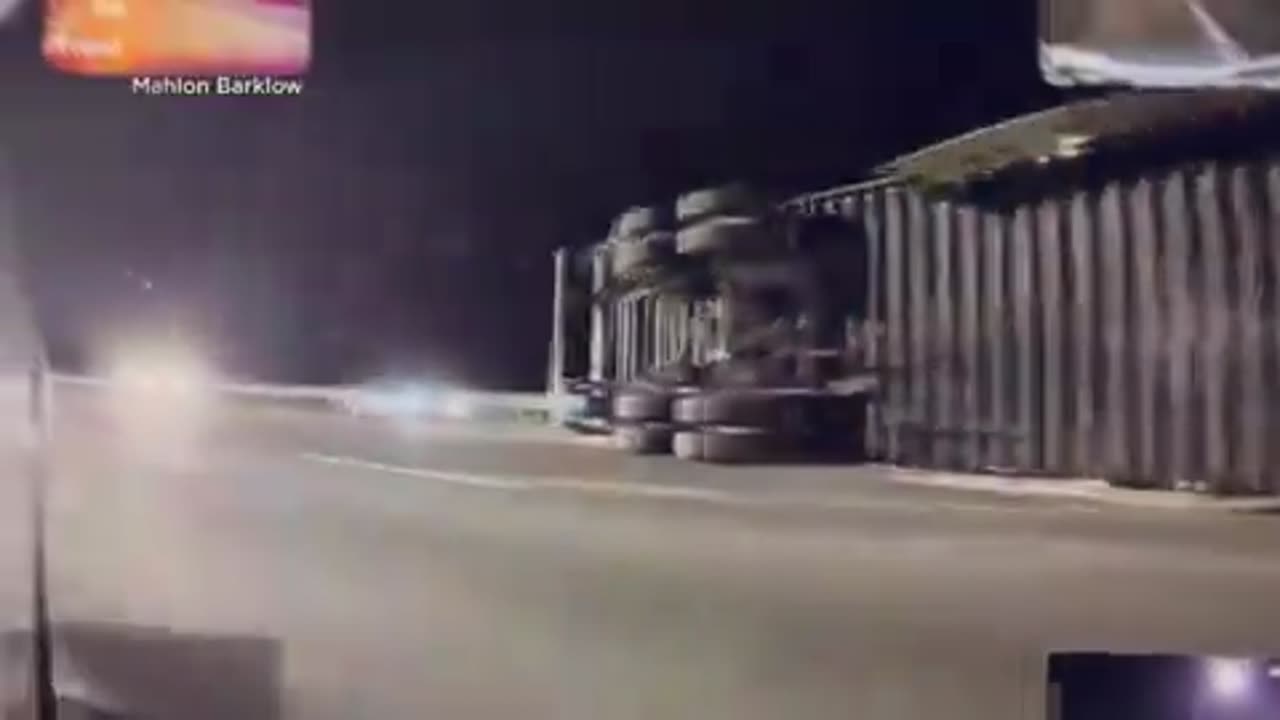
(178, 37)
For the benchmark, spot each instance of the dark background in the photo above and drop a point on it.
(1100, 686)
(400, 215)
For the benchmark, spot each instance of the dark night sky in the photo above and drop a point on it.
(401, 214)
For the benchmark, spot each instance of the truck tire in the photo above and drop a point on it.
(687, 445)
(639, 222)
(728, 445)
(744, 409)
(724, 236)
(630, 256)
(728, 200)
(644, 438)
(687, 410)
(640, 407)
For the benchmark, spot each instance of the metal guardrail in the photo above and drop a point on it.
(362, 401)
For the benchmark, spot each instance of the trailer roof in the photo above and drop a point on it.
(1070, 131)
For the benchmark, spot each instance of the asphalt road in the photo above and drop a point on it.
(16, 553)
(264, 563)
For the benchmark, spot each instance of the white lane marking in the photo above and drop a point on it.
(453, 478)
(667, 492)
(491, 482)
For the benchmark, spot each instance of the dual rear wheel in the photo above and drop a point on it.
(736, 426)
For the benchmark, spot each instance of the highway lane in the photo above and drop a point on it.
(305, 565)
(16, 587)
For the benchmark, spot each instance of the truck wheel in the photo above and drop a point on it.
(634, 406)
(638, 222)
(727, 200)
(644, 439)
(687, 445)
(728, 445)
(687, 410)
(744, 409)
(632, 255)
(724, 236)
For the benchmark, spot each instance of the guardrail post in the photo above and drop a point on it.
(555, 370)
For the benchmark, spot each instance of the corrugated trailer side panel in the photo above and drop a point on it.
(1125, 331)
(872, 208)
(895, 371)
(1270, 274)
(1083, 437)
(969, 247)
(1149, 361)
(1181, 329)
(995, 384)
(1246, 186)
(945, 380)
(1052, 319)
(1029, 384)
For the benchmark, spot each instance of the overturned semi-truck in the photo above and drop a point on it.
(1087, 291)
(716, 328)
